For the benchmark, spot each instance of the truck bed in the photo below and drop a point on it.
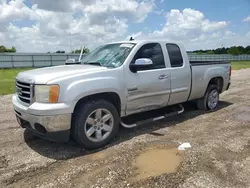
(203, 71)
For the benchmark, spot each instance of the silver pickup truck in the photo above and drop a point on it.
(90, 99)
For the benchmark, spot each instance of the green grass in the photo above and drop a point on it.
(237, 65)
(7, 76)
(7, 82)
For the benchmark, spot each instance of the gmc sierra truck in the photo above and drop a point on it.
(88, 100)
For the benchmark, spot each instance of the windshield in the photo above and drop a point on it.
(109, 55)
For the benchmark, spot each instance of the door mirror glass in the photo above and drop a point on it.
(143, 61)
(141, 64)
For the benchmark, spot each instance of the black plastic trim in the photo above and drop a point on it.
(197, 63)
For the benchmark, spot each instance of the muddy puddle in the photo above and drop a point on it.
(157, 161)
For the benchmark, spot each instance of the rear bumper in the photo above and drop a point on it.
(50, 127)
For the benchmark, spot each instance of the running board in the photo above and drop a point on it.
(154, 119)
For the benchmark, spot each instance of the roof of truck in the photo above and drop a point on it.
(149, 40)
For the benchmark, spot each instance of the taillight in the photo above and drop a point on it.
(230, 71)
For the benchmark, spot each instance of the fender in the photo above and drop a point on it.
(86, 87)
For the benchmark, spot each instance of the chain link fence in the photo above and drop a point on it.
(19, 60)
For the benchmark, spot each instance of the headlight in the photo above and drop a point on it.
(46, 93)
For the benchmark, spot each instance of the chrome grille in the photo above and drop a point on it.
(24, 91)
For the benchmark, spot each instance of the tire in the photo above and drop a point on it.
(205, 102)
(88, 111)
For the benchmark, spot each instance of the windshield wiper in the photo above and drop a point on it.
(93, 63)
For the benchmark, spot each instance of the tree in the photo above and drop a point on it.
(210, 52)
(78, 51)
(60, 51)
(247, 50)
(13, 49)
(241, 49)
(234, 50)
(4, 49)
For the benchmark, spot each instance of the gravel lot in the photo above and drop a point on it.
(219, 156)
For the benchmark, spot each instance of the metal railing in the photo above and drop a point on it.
(18, 60)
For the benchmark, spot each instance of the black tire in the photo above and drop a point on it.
(80, 116)
(202, 104)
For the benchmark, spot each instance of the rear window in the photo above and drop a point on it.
(175, 56)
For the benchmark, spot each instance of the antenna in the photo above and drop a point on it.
(131, 38)
(80, 57)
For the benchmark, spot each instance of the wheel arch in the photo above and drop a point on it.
(111, 97)
(218, 81)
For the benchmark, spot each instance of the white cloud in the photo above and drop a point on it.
(96, 9)
(15, 10)
(187, 24)
(247, 19)
(195, 31)
(129, 9)
(56, 26)
(60, 25)
(54, 5)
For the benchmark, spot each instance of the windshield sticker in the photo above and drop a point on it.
(126, 45)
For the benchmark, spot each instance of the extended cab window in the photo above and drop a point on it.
(151, 51)
(175, 56)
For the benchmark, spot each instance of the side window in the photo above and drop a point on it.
(151, 51)
(175, 56)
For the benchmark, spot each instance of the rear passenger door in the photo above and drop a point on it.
(149, 88)
(180, 74)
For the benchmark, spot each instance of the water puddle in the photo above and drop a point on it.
(155, 161)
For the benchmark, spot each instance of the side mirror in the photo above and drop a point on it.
(71, 62)
(141, 64)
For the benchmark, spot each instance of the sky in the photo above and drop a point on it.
(51, 25)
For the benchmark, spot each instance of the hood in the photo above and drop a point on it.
(43, 75)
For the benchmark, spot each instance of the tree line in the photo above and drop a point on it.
(234, 50)
(10, 50)
(3, 49)
(76, 51)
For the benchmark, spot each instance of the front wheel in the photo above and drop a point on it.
(210, 100)
(95, 123)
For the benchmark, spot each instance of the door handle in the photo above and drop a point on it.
(163, 76)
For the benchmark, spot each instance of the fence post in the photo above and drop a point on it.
(51, 60)
(32, 59)
(12, 61)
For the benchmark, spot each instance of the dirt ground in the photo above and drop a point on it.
(219, 156)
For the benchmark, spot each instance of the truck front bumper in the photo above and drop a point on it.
(53, 126)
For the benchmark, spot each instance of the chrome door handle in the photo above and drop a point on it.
(163, 76)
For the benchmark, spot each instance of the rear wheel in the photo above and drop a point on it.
(95, 123)
(210, 100)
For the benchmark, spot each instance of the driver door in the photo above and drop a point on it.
(148, 89)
